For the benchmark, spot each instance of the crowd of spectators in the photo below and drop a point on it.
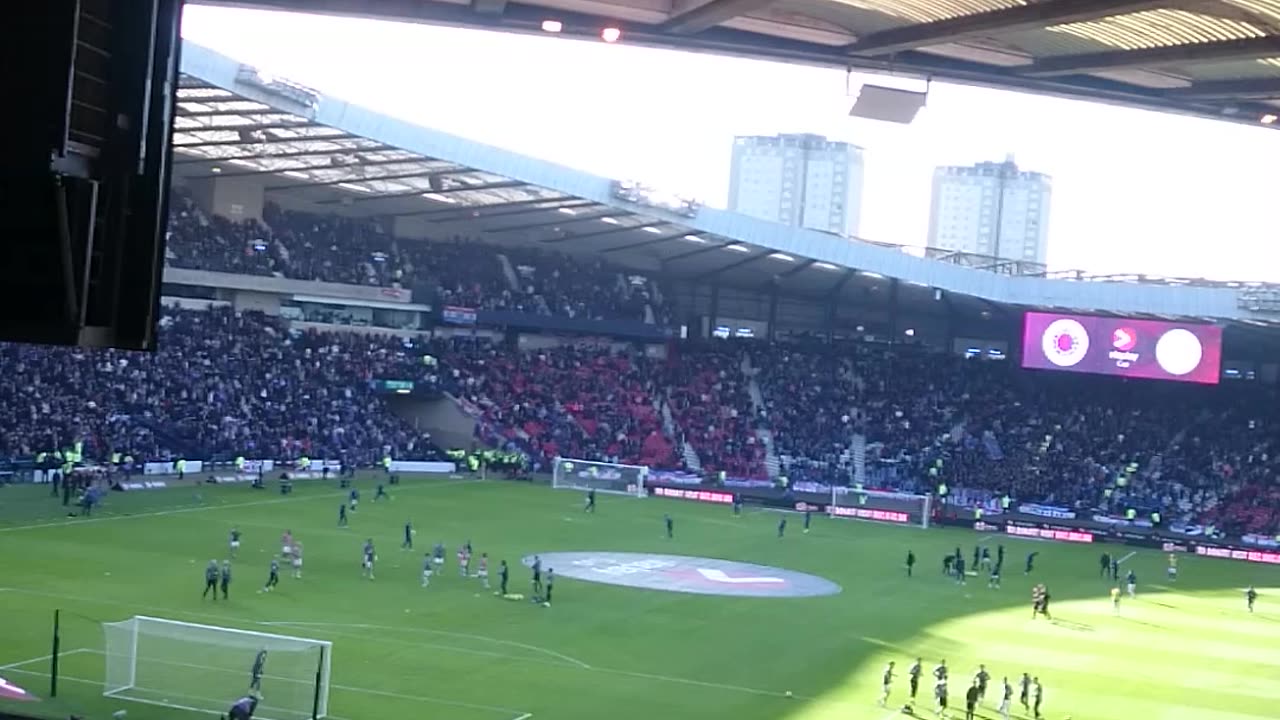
(221, 385)
(588, 402)
(458, 271)
(707, 390)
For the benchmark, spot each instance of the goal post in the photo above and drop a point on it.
(880, 505)
(204, 668)
(615, 478)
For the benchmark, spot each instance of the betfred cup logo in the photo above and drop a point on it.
(1065, 342)
(1124, 339)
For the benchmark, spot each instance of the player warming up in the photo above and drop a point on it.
(342, 515)
(671, 526)
(243, 708)
(1172, 572)
(970, 701)
(286, 544)
(537, 576)
(234, 541)
(483, 571)
(273, 576)
(1115, 600)
(886, 683)
(911, 562)
(1250, 597)
(211, 580)
(225, 577)
(782, 527)
(255, 675)
(408, 536)
(1131, 580)
(1006, 698)
(464, 561)
(370, 556)
(551, 582)
(297, 560)
(913, 679)
(503, 574)
(590, 505)
(426, 569)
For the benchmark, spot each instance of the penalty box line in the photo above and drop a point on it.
(511, 713)
(14, 666)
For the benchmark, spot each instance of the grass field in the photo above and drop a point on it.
(1189, 652)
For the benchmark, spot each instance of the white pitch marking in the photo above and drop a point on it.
(1126, 557)
(722, 577)
(42, 658)
(468, 636)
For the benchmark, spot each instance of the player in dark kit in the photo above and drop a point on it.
(980, 681)
(255, 675)
(211, 580)
(913, 678)
(225, 577)
(977, 557)
(591, 502)
(960, 576)
(946, 564)
(1024, 696)
(551, 581)
(273, 577)
(342, 515)
(986, 557)
(1031, 563)
(1039, 698)
(782, 527)
(911, 562)
(999, 554)
(1250, 597)
(537, 575)
(408, 536)
(1104, 564)
(808, 517)
(671, 526)
(382, 493)
(737, 504)
(940, 694)
(1115, 569)
(970, 701)
(503, 572)
(243, 708)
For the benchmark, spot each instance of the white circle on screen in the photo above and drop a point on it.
(1179, 351)
(1065, 342)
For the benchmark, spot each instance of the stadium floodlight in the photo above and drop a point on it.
(879, 505)
(611, 34)
(613, 478)
(203, 668)
(552, 26)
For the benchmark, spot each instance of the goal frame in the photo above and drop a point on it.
(637, 489)
(881, 501)
(320, 701)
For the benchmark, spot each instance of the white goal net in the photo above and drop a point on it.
(879, 505)
(206, 669)
(599, 476)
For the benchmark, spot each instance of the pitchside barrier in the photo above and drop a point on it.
(1080, 531)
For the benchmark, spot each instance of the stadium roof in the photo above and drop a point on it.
(1216, 58)
(233, 121)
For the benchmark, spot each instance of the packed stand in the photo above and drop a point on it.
(586, 402)
(984, 428)
(464, 272)
(707, 388)
(222, 384)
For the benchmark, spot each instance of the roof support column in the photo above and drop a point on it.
(713, 317)
(893, 311)
(773, 313)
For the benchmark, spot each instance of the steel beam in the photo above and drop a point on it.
(995, 22)
(697, 18)
(1248, 49)
(1254, 89)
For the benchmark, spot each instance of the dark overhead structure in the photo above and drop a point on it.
(86, 169)
(1212, 58)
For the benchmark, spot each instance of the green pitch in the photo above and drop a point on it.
(1186, 651)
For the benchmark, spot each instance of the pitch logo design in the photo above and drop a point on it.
(684, 574)
(1065, 342)
(1124, 339)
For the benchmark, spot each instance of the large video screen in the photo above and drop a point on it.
(1186, 352)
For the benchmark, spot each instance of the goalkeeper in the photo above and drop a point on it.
(243, 708)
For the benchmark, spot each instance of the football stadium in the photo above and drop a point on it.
(559, 446)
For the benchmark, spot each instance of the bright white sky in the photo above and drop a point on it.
(1133, 191)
